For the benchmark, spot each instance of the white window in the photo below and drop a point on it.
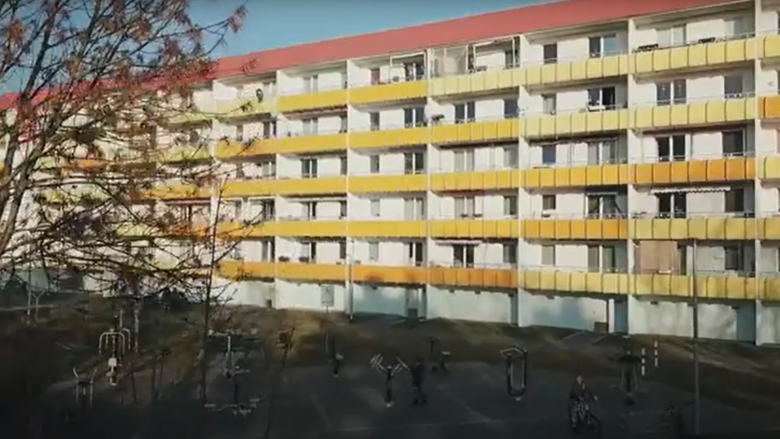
(344, 125)
(463, 255)
(309, 168)
(311, 84)
(511, 157)
(310, 126)
(309, 251)
(674, 92)
(310, 210)
(672, 36)
(465, 112)
(414, 209)
(548, 255)
(414, 117)
(464, 160)
(374, 164)
(375, 208)
(414, 162)
(374, 120)
(605, 45)
(604, 98)
(510, 205)
(373, 251)
(549, 103)
(267, 250)
(510, 253)
(465, 207)
(415, 253)
(343, 250)
(603, 152)
(739, 27)
(549, 153)
(733, 87)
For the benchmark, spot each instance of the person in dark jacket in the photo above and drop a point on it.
(580, 395)
(418, 371)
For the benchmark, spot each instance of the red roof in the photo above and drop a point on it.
(482, 27)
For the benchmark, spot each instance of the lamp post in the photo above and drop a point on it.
(696, 381)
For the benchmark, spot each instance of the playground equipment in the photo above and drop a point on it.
(114, 342)
(230, 367)
(437, 357)
(389, 372)
(232, 371)
(84, 390)
(512, 356)
(335, 359)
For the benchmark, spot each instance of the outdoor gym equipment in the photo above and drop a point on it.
(237, 407)
(230, 367)
(114, 341)
(438, 357)
(84, 389)
(511, 355)
(389, 372)
(231, 370)
(334, 357)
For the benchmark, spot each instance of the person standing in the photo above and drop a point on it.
(418, 371)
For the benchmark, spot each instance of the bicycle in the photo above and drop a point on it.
(581, 416)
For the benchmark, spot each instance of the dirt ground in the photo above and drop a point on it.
(731, 373)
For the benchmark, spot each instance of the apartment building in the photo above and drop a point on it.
(582, 164)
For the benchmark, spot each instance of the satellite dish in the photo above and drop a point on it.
(259, 94)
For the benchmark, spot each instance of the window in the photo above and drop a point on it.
(734, 143)
(672, 36)
(268, 251)
(342, 209)
(549, 104)
(311, 84)
(594, 258)
(465, 207)
(463, 255)
(602, 97)
(739, 27)
(735, 201)
(343, 165)
(414, 71)
(376, 76)
(511, 58)
(344, 82)
(373, 164)
(414, 162)
(549, 202)
(309, 168)
(510, 253)
(415, 253)
(548, 255)
(603, 46)
(269, 129)
(374, 120)
(414, 209)
(603, 205)
(603, 152)
(672, 204)
(734, 258)
(510, 108)
(414, 117)
(342, 250)
(549, 154)
(465, 112)
(732, 87)
(375, 208)
(674, 92)
(267, 209)
(671, 148)
(464, 160)
(510, 206)
(310, 210)
(343, 126)
(511, 157)
(310, 126)
(309, 251)
(550, 53)
(682, 259)
(373, 251)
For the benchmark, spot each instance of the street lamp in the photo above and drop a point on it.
(696, 377)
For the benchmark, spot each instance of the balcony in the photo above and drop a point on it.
(710, 226)
(388, 92)
(184, 153)
(474, 228)
(475, 180)
(707, 52)
(576, 175)
(311, 271)
(392, 229)
(706, 111)
(721, 169)
(314, 100)
(381, 183)
(573, 280)
(244, 107)
(576, 70)
(63, 195)
(769, 107)
(581, 229)
(240, 270)
(189, 115)
(177, 191)
(479, 81)
(769, 46)
(385, 274)
(388, 137)
(575, 122)
(308, 143)
(711, 285)
(480, 276)
(475, 131)
(769, 168)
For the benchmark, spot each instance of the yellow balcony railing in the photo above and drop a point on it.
(711, 285)
(573, 281)
(389, 137)
(245, 107)
(695, 170)
(467, 228)
(560, 228)
(695, 55)
(321, 99)
(475, 131)
(575, 122)
(718, 227)
(705, 111)
(476, 180)
(577, 175)
(383, 183)
(481, 81)
(574, 70)
(388, 92)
